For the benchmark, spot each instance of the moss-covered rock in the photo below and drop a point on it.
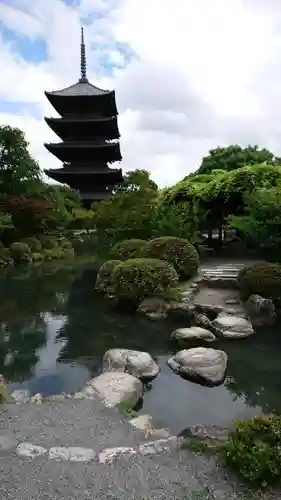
(104, 281)
(128, 249)
(20, 252)
(262, 278)
(179, 252)
(135, 279)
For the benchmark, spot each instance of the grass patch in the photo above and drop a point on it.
(205, 446)
(127, 408)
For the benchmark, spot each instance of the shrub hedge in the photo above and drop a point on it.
(34, 244)
(104, 281)
(179, 252)
(254, 450)
(127, 249)
(262, 278)
(20, 251)
(135, 279)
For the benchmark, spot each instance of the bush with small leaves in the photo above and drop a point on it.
(5, 256)
(254, 450)
(20, 251)
(262, 278)
(127, 249)
(48, 242)
(177, 251)
(135, 279)
(104, 278)
(34, 244)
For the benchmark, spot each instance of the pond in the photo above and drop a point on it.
(54, 330)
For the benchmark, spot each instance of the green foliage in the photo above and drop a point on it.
(5, 257)
(179, 220)
(48, 242)
(20, 251)
(254, 450)
(19, 172)
(179, 252)
(234, 157)
(225, 195)
(127, 249)
(126, 407)
(261, 278)
(104, 281)
(128, 214)
(34, 244)
(82, 219)
(135, 279)
(260, 227)
(5, 222)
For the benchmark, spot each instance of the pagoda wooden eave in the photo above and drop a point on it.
(75, 151)
(67, 104)
(106, 127)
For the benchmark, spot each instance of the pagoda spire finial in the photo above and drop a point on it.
(83, 59)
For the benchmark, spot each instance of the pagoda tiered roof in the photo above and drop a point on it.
(89, 132)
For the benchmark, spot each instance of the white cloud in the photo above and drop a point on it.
(205, 73)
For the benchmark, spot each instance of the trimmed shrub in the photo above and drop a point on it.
(20, 251)
(5, 257)
(177, 251)
(128, 249)
(48, 242)
(34, 244)
(135, 279)
(254, 450)
(262, 278)
(104, 278)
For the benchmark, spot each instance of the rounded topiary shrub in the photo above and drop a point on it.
(135, 279)
(177, 251)
(262, 278)
(20, 251)
(127, 249)
(104, 277)
(253, 450)
(48, 242)
(34, 244)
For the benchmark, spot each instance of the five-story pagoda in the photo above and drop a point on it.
(89, 132)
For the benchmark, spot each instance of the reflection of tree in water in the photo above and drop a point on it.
(254, 370)
(25, 296)
(94, 325)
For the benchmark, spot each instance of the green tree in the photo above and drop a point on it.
(233, 157)
(19, 172)
(260, 226)
(225, 195)
(129, 212)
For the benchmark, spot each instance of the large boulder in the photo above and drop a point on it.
(194, 334)
(154, 308)
(260, 311)
(233, 327)
(137, 363)
(201, 364)
(114, 388)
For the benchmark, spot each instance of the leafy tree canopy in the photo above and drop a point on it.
(17, 167)
(233, 157)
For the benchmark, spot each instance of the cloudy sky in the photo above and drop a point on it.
(189, 74)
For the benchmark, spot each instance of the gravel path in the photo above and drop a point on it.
(144, 473)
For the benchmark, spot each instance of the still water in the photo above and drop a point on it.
(54, 330)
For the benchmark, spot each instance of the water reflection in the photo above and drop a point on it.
(54, 330)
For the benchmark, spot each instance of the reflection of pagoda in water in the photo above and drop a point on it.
(89, 132)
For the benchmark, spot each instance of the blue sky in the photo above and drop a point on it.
(188, 75)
